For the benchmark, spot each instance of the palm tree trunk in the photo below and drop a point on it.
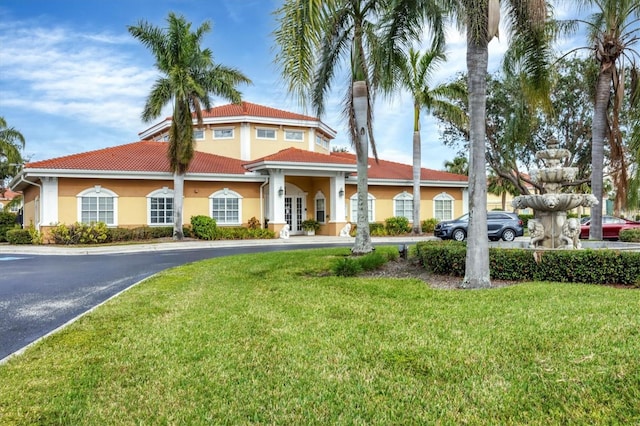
(599, 136)
(178, 191)
(504, 201)
(417, 166)
(477, 261)
(362, 244)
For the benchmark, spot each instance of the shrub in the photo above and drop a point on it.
(376, 229)
(310, 225)
(7, 222)
(18, 236)
(429, 225)
(204, 227)
(525, 219)
(372, 261)
(254, 223)
(630, 235)
(578, 266)
(81, 233)
(397, 225)
(347, 267)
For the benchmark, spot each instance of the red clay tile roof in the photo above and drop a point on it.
(296, 155)
(254, 110)
(392, 170)
(145, 156)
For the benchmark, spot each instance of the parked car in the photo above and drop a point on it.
(611, 227)
(503, 225)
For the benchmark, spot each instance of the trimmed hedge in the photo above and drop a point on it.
(7, 222)
(577, 266)
(630, 235)
(19, 236)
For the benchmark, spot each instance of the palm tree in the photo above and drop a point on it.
(529, 42)
(498, 185)
(459, 165)
(414, 74)
(189, 75)
(613, 30)
(316, 37)
(11, 142)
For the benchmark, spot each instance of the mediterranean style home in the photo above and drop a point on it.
(251, 161)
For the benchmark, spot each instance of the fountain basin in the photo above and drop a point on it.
(554, 202)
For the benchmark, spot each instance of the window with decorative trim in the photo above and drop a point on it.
(226, 133)
(294, 135)
(97, 204)
(160, 207)
(370, 207)
(226, 207)
(320, 203)
(403, 205)
(443, 206)
(266, 133)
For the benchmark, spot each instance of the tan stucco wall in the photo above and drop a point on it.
(384, 202)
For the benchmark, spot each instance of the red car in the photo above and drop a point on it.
(611, 227)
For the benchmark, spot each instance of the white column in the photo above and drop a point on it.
(465, 200)
(338, 202)
(245, 141)
(49, 201)
(312, 140)
(276, 201)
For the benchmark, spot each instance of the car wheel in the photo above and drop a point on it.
(508, 235)
(459, 235)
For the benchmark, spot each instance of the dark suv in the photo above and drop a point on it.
(503, 225)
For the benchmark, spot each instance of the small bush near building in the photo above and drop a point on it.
(429, 225)
(203, 227)
(397, 225)
(351, 266)
(81, 233)
(18, 236)
(630, 235)
(7, 222)
(577, 266)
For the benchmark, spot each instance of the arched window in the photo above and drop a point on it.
(443, 206)
(403, 205)
(320, 207)
(160, 207)
(226, 207)
(370, 207)
(97, 204)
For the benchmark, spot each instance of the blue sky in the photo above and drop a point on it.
(72, 79)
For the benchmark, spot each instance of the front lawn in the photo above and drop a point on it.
(273, 339)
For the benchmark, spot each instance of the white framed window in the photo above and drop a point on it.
(198, 134)
(320, 203)
(320, 141)
(370, 207)
(443, 206)
(294, 135)
(160, 207)
(226, 207)
(226, 133)
(403, 205)
(97, 204)
(266, 133)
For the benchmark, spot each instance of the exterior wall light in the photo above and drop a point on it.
(281, 191)
(341, 192)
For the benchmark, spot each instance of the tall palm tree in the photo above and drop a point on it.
(189, 76)
(497, 185)
(11, 142)
(414, 74)
(315, 38)
(529, 42)
(614, 29)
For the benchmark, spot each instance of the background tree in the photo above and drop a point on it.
(414, 73)
(497, 185)
(11, 144)
(614, 30)
(459, 165)
(189, 76)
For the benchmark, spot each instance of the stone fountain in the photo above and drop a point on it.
(550, 227)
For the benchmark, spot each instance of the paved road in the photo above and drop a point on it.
(39, 293)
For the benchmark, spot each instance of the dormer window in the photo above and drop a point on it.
(294, 135)
(223, 133)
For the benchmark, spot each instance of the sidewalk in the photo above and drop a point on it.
(50, 249)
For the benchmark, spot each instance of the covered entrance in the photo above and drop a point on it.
(293, 213)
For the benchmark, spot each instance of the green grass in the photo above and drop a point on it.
(272, 339)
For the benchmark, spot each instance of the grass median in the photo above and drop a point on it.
(273, 338)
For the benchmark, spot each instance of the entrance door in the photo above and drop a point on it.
(293, 211)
